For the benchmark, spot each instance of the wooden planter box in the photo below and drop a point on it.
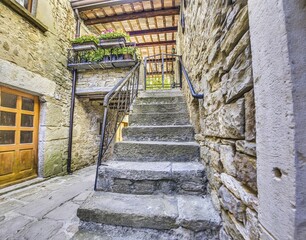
(84, 46)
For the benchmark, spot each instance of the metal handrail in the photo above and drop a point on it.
(182, 70)
(126, 90)
(193, 93)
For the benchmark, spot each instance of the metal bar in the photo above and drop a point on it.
(103, 130)
(180, 74)
(118, 86)
(72, 105)
(145, 73)
(163, 73)
(193, 93)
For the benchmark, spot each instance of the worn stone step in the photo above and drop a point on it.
(183, 133)
(98, 231)
(158, 119)
(152, 177)
(161, 100)
(161, 93)
(160, 108)
(150, 211)
(156, 151)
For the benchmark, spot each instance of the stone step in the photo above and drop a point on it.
(98, 231)
(152, 178)
(182, 133)
(161, 93)
(160, 108)
(158, 119)
(150, 211)
(161, 100)
(138, 151)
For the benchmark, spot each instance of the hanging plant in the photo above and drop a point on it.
(112, 34)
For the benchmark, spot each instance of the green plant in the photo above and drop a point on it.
(124, 50)
(111, 34)
(85, 38)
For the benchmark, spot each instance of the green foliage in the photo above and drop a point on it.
(124, 50)
(111, 34)
(85, 38)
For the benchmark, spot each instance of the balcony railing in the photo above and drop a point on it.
(101, 57)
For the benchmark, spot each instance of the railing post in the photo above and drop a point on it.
(163, 72)
(137, 82)
(145, 74)
(180, 73)
(104, 124)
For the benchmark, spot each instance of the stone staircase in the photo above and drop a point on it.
(155, 186)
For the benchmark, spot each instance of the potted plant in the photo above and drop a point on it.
(86, 42)
(111, 38)
(129, 52)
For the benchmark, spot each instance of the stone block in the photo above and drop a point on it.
(237, 30)
(197, 213)
(230, 226)
(213, 101)
(252, 224)
(246, 147)
(183, 133)
(228, 122)
(230, 203)
(159, 119)
(43, 229)
(237, 188)
(156, 151)
(154, 211)
(239, 48)
(240, 78)
(227, 154)
(250, 121)
(223, 235)
(11, 227)
(246, 170)
(211, 157)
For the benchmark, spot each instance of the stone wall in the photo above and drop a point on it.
(219, 63)
(89, 113)
(100, 80)
(38, 61)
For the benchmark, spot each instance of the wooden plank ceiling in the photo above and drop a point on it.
(152, 24)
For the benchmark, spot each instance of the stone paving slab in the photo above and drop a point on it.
(46, 210)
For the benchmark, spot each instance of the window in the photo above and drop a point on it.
(27, 4)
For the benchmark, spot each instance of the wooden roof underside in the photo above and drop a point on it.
(152, 24)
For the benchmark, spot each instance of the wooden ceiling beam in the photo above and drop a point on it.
(152, 44)
(153, 31)
(131, 16)
(85, 5)
(149, 60)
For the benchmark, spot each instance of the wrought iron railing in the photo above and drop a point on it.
(116, 105)
(166, 71)
(101, 58)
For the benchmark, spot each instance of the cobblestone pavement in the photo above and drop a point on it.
(46, 210)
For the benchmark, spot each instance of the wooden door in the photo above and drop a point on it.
(19, 113)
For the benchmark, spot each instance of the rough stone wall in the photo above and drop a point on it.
(42, 58)
(89, 114)
(86, 129)
(219, 61)
(97, 79)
